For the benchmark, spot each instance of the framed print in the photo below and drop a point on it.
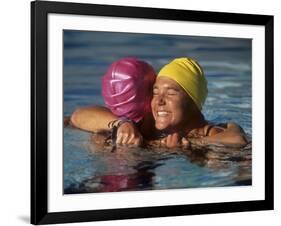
(144, 112)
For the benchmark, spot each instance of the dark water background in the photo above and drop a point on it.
(227, 65)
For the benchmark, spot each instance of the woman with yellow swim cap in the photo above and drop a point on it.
(178, 96)
(179, 93)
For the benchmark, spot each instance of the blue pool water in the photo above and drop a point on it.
(227, 65)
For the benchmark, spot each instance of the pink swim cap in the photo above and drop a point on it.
(127, 88)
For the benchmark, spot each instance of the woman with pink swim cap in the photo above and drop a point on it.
(127, 91)
(127, 88)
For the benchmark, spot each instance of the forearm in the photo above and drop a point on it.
(92, 119)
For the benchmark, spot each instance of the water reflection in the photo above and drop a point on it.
(132, 169)
(142, 180)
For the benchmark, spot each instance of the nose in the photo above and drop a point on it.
(161, 99)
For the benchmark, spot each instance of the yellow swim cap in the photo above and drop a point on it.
(190, 76)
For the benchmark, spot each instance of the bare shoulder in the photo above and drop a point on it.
(228, 133)
(235, 127)
(230, 127)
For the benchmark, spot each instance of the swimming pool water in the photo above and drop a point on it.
(227, 65)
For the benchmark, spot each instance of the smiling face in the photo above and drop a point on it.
(171, 107)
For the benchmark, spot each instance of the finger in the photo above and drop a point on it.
(168, 141)
(185, 143)
(172, 140)
(131, 139)
(120, 138)
(125, 138)
(163, 141)
(175, 139)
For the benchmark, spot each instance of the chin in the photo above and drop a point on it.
(161, 127)
(164, 128)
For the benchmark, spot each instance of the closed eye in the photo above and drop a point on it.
(155, 91)
(172, 91)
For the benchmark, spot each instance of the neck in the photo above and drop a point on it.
(196, 122)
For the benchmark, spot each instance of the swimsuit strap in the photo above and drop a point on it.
(207, 130)
(210, 126)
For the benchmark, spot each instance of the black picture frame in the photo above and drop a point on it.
(39, 112)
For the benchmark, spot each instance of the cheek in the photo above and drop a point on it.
(179, 111)
(152, 103)
(178, 114)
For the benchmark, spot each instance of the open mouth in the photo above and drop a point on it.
(162, 113)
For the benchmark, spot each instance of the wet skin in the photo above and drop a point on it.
(172, 108)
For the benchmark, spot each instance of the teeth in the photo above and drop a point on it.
(162, 113)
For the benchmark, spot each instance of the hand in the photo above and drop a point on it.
(128, 134)
(171, 141)
(174, 140)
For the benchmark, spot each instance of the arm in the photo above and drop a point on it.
(232, 135)
(92, 119)
(96, 119)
